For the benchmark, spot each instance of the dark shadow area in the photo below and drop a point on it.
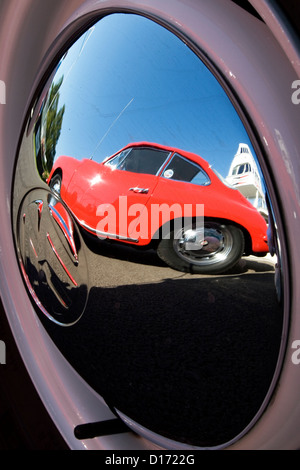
(123, 251)
(291, 9)
(247, 7)
(147, 255)
(191, 359)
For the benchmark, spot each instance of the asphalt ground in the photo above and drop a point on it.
(188, 356)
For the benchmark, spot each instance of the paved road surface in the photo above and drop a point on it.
(188, 356)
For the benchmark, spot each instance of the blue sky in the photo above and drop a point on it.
(128, 79)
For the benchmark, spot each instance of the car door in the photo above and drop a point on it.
(180, 193)
(114, 195)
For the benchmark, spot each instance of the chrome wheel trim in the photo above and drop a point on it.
(217, 243)
(55, 184)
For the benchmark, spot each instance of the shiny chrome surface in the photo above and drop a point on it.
(51, 257)
(106, 274)
(206, 246)
(139, 190)
(62, 285)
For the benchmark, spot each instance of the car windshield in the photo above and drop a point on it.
(139, 160)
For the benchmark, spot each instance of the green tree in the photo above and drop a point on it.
(54, 119)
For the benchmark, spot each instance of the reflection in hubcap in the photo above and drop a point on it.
(180, 354)
(206, 247)
(51, 257)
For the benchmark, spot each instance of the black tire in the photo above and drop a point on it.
(221, 248)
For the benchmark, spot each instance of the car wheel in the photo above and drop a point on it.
(211, 249)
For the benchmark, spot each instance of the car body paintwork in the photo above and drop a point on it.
(86, 185)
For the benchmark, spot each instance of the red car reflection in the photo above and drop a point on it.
(149, 194)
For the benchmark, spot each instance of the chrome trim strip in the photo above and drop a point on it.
(100, 234)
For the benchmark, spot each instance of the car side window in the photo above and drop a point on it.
(140, 160)
(117, 161)
(181, 169)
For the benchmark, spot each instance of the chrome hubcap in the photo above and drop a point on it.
(208, 245)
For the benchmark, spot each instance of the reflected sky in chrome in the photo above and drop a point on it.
(118, 90)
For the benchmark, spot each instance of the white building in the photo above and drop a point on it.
(244, 175)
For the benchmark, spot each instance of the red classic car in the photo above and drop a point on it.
(149, 194)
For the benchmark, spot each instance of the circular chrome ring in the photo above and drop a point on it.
(217, 243)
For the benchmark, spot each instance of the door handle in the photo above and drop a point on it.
(139, 190)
